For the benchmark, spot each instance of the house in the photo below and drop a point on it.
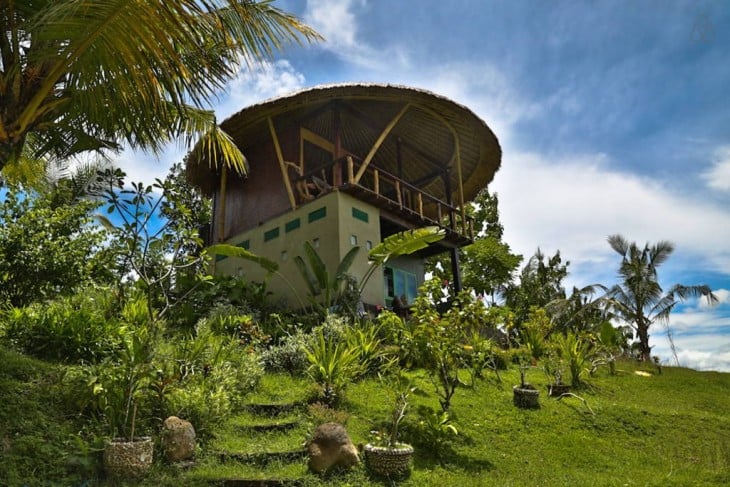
(348, 165)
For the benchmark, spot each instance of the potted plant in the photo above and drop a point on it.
(386, 455)
(121, 388)
(525, 396)
(554, 368)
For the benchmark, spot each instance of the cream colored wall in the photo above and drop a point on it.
(333, 232)
(370, 231)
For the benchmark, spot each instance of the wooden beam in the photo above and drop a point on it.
(383, 135)
(350, 170)
(461, 185)
(222, 213)
(282, 165)
(316, 139)
(370, 122)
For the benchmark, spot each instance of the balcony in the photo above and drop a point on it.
(402, 203)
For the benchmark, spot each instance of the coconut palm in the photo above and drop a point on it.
(83, 75)
(638, 299)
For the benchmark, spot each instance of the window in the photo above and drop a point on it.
(317, 214)
(284, 255)
(245, 244)
(292, 225)
(271, 234)
(360, 215)
(353, 240)
(400, 283)
(315, 243)
(369, 244)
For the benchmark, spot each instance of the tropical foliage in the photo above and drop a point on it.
(70, 82)
(639, 299)
(45, 245)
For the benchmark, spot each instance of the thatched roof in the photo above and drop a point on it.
(426, 132)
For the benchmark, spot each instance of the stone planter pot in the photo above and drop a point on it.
(526, 397)
(557, 390)
(128, 459)
(388, 461)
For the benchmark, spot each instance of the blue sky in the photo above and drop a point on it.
(614, 117)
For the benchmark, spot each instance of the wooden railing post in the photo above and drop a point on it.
(350, 170)
(376, 182)
(419, 198)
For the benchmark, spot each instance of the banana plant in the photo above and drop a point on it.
(401, 243)
(319, 281)
(271, 267)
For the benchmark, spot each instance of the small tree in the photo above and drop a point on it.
(638, 299)
(444, 338)
(541, 281)
(48, 246)
(156, 239)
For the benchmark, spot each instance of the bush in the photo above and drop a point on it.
(373, 357)
(205, 402)
(289, 356)
(321, 413)
(72, 329)
(207, 377)
(333, 364)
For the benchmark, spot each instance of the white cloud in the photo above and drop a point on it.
(722, 295)
(718, 176)
(336, 20)
(253, 84)
(701, 352)
(573, 203)
(145, 166)
(257, 83)
(700, 334)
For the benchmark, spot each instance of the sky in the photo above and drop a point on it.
(613, 117)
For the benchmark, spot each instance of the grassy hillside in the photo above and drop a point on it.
(667, 429)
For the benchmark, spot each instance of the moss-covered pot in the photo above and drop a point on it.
(388, 461)
(128, 459)
(526, 397)
(557, 390)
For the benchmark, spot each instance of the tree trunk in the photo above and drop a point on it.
(644, 349)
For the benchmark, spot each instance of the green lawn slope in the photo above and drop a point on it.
(663, 429)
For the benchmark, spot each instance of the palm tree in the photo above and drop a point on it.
(639, 299)
(88, 75)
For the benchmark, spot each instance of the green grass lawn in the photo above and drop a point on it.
(668, 429)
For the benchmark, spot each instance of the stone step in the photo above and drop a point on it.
(258, 482)
(274, 409)
(262, 457)
(274, 426)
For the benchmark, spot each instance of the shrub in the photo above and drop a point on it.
(445, 336)
(332, 365)
(320, 413)
(577, 352)
(289, 356)
(210, 377)
(71, 329)
(434, 431)
(206, 404)
(363, 339)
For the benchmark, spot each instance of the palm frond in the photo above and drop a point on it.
(114, 67)
(404, 243)
(309, 279)
(234, 251)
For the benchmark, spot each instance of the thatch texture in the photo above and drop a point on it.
(428, 133)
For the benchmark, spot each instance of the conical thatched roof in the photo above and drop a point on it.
(429, 133)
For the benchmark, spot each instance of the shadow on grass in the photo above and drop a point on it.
(450, 457)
